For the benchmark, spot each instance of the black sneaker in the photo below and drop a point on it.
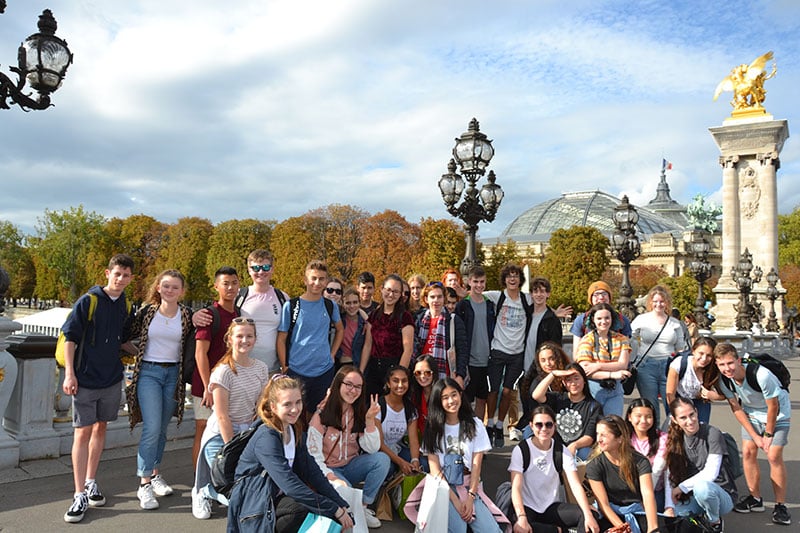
(498, 441)
(78, 508)
(749, 504)
(96, 498)
(780, 515)
(717, 528)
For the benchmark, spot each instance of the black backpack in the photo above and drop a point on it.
(503, 496)
(242, 296)
(753, 361)
(294, 305)
(190, 345)
(223, 469)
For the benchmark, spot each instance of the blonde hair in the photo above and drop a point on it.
(227, 358)
(277, 384)
(664, 293)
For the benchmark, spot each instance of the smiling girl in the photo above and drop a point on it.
(699, 379)
(549, 356)
(396, 417)
(650, 441)
(278, 447)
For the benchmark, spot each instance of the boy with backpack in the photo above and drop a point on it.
(95, 331)
(303, 345)
(760, 403)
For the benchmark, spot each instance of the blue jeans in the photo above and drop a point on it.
(652, 381)
(612, 400)
(213, 445)
(405, 454)
(484, 521)
(709, 498)
(155, 391)
(703, 410)
(371, 468)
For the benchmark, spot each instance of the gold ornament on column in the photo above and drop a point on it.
(747, 84)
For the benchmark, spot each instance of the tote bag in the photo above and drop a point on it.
(434, 506)
(354, 498)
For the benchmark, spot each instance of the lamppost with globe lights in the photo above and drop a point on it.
(741, 275)
(772, 295)
(472, 153)
(626, 247)
(701, 270)
(42, 62)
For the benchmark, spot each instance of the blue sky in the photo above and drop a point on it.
(268, 109)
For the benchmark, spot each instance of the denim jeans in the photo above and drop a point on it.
(371, 468)
(213, 445)
(703, 410)
(611, 400)
(709, 498)
(484, 521)
(155, 391)
(652, 381)
(405, 454)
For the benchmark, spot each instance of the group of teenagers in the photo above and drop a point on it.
(351, 392)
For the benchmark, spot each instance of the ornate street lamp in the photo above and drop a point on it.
(472, 153)
(744, 282)
(626, 247)
(772, 294)
(701, 269)
(42, 62)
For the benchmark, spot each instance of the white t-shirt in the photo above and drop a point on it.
(689, 385)
(451, 444)
(646, 330)
(265, 309)
(244, 388)
(509, 329)
(394, 427)
(541, 483)
(164, 339)
(290, 447)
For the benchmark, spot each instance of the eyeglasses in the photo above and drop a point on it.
(331, 290)
(540, 425)
(420, 373)
(352, 386)
(243, 320)
(260, 268)
(391, 291)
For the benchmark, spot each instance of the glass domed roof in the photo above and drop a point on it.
(588, 208)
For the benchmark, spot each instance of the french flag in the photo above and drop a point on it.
(666, 165)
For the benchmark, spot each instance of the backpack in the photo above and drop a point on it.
(528, 308)
(223, 468)
(503, 495)
(242, 296)
(382, 403)
(753, 361)
(189, 347)
(734, 457)
(294, 305)
(62, 340)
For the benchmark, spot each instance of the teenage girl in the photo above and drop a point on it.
(399, 424)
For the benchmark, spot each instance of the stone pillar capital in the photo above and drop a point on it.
(769, 158)
(728, 161)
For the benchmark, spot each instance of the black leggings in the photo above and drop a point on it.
(559, 514)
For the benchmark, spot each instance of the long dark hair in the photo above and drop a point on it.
(434, 427)
(408, 405)
(535, 370)
(677, 462)
(416, 391)
(594, 309)
(399, 306)
(331, 414)
(627, 465)
(652, 433)
(710, 372)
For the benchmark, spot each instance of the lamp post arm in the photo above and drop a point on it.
(13, 91)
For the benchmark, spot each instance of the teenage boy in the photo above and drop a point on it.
(598, 292)
(366, 289)
(478, 316)
(93, 379)
(765, 417)
(209, 349)
(310, 355)
(507, 354)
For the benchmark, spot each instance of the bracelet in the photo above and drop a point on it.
(474, 496)
(415, 460)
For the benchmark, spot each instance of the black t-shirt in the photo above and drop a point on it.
(619, 493)
(574, 420)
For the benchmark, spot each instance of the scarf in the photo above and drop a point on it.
(439, 351)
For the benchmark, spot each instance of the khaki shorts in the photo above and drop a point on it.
(201, 412)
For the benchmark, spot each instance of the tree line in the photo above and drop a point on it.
(70, 248)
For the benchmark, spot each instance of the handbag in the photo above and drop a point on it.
(433, 506)
(629, 383)
(354, 499)
(383, 503)
(453, 467)
(315, 523)
(408, 484)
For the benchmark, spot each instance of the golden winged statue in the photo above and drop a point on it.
(747, 84)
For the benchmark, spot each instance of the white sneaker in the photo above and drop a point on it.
(372, 520)
(160, 487)
(147, 499)
(514, 434)
(201, 507)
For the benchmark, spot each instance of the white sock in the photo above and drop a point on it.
(491, 422)
(88, 481)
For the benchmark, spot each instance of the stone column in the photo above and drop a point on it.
(9, 447)
(749, 149)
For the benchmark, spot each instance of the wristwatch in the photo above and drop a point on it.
(768, 434)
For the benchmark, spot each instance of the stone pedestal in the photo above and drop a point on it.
(750, 151)
(9, 447)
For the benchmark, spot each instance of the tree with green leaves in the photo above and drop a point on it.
(233, 240)
(789, 238)
(339, 228)
(17, 261)
(575, 258)
(63, 245)
(442, 246)
(684, 291)
(499, 256)
(293, 246)
(185, 248)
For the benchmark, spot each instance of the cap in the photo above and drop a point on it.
(598, 286)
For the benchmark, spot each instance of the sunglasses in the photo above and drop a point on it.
(435, 284)
(540, 425)
(243, 320)
(420, 373)
(331, 290)
(277, 377)
(260, 268)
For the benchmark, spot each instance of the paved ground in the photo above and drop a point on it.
(34, 498)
